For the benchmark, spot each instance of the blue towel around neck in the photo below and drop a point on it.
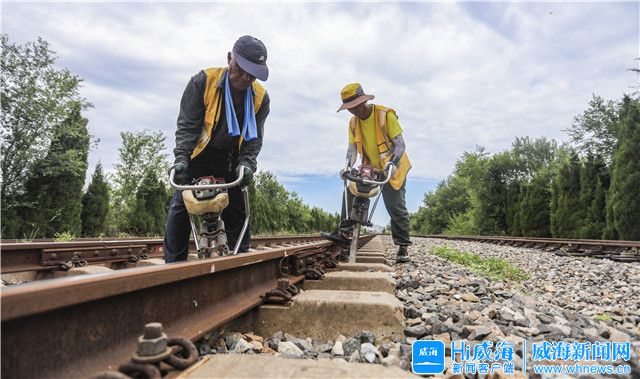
(249, 128)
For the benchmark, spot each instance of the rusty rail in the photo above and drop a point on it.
(621, 251)
(78, 326)
(48, 255)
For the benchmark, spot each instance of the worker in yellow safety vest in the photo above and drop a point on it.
(219, 130)
(376, 136)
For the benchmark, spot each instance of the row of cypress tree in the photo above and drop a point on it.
(588, 188)
(274, 210)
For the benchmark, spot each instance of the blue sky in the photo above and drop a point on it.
(458, 74)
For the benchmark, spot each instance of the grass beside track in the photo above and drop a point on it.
(492, 268)
(602, 317)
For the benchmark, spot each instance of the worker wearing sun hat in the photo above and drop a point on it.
(376, 136)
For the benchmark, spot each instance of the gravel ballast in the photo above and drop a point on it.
(563, 299)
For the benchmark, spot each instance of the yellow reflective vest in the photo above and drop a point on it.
(385, 145)
(213, 104)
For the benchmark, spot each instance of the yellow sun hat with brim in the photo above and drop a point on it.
(352, 95)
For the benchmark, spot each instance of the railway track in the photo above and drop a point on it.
(41, 257)
(621, 251)
(72, 327)
(79, 326)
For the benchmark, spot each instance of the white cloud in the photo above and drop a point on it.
(458, 74)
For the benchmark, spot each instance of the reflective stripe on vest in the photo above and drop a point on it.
(213, 103)
(385, 146)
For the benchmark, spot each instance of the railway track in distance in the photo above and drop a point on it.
(78, 326)
(621, 251)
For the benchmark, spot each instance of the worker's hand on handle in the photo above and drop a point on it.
(344, 172)
(247, 175)
(391, 165)
(389, 168)
(180, 176)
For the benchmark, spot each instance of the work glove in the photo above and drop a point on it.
(394, 161)
(248, 175)
(180, 175)
(388, 165)
(344, 171)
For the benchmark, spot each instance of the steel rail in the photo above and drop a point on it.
(78, 326)
(617, 243)
(47, 255)
(105, 239)
(617, 250)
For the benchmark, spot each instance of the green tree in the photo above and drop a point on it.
(269, 205)
(57, 180)
(463, 224)
(529, 156)
(596, 223)
(596, 130)
(298, 214)
(450, 198)
(594, 182)
(453, 207)
(149, 213)
(276, 210)
(491, 195)
(534, 215)
(95, 205)
(36, 98)
(485, 192)
(418, 221)
(610, 232)
(141, 153)
(566, 210)
(625, 174)
(514, 199)
(322, 220)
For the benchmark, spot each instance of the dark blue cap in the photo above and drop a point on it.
(251, 56)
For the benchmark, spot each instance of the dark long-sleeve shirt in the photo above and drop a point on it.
(221, 155)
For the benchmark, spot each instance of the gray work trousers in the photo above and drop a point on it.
(394, 201)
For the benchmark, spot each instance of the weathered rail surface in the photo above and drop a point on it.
(622, 251)
(48, 255)
(78, 326)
